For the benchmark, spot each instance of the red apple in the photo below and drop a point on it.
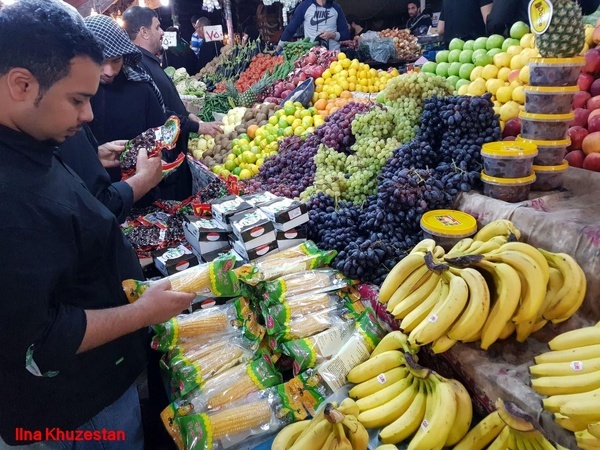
(510, 138)
(581, 98)
(591, 143)
(577, 135)
(285, 94)
(594, 125)
(584, 81)
(593, 114)
(512, 127)
(581, 117)
(575, 158)
(592, 61)
(595, 88)
(592, 162)
(594, 102)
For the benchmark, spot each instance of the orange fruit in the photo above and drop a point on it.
(251, 131)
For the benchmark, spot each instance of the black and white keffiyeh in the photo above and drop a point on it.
(116, 43)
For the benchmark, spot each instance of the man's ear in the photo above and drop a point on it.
(22, 84)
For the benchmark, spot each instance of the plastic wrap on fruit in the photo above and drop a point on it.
(153, 141)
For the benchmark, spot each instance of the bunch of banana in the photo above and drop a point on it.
(507, 428)
(569, 375)
(333, 428)
(410, 401)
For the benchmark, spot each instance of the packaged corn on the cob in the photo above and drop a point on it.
(228, 387)
(214, 278)
(305, 256)
(263, 413)
(235, 318)
(195, 367)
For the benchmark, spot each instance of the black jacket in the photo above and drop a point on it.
(62, 253)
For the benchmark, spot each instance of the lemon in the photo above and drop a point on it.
(517, 62)
(476, 73)
(503, 73)
(527, 41)
(341, 56)
(502, 59)
(518, 95)
(509, 110)
(504, 94)
(477, 87)
(346, 63)
(524, 75)
(492, 85)
(463, 89)
(490, 71)
(319, 81)
(326, 74)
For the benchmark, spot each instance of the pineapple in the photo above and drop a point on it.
(248, 98)
(565, 36)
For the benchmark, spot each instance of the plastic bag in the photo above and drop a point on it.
(380, 49)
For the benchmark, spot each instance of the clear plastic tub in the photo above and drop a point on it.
(508, 159)
(447, 226)
(549, 178)
(549, 99)
(555, 71)
(550, 153)
(545, 127)
(507, 189)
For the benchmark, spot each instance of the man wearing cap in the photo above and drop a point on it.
(71, 345)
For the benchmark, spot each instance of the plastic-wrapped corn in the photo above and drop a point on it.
(226, 388)
(214, 278)
(305, 256)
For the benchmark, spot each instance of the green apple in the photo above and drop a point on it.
(508, 42)
(518, 30)
(442, 69)
(465, 71)
(469, 45)
(494, 41)
(452, 80)
(493, 52)
(479, 52)
(480, 43)
(429, 67)
(442, 56)
(466, 56)
(483, 60)
(453, 56)
(454, 69)
(456, 44)
(462, 82)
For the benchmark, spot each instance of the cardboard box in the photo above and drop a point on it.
(291, 238)
(252, 228)
(171, 260)
(210, 257)
(224, 208)
(205, 235)
(257, 252)
(260, 199)
(285, 213)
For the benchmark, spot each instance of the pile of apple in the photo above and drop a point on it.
(584, 131)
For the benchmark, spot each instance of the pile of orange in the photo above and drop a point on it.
(326, 107)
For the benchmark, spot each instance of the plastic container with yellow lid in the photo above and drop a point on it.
(549, 99)
(549, 178)
(507, 189)
(550, 153)
(545, 127)
(555, 71)
(508, 159)
(447, 226)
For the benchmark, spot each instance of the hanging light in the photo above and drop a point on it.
(164, 2)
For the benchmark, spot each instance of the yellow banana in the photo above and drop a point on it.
(444, 314)
(385, 395)
(460, 247)
(420, 313)
(464, 413)
(568, 423)
(286, 437)
(385, 414)
(483, 433)
(329, 442)
(314, 438)
(378, 382)
(513, 416)
(488, 246)
(440, 414)
(507, 331)
(554, 403)
(341, 441)
(594, 429)
(501, 442)
(555, 283)
(374, 366)
(506, 299)
(565, 368)
(536, 279)
(408, 422)
(356, 432)
(582, 337)
(399, 273)
(569, 298)
(587, 409)
(395, 340)
(426, 245)
(574, 354)
(530, 251)
(349, 407)
(525, 329)
(442, 344)
(412, 283)
(387, 447)
(567, 384)
(417, 297)
(586, 440)
(476, 312)
(497, 228)
(473, 248)
(533, 440)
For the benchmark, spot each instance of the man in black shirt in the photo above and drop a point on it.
(71, 346)
(463, 19)
(143, 27)
(418, 23)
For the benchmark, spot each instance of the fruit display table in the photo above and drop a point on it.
(559, 221)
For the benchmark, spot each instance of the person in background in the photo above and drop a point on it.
(181, 55)
(70, 342)
(198, 34)
(127, 102)
(143, 28)
(356, 26)
(209, 50)
(418, 23)
(464, 19)
(506, 12)
(323, 20)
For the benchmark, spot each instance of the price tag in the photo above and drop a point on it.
(169, 39)
(213, 33)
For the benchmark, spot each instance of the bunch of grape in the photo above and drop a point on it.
(330, 176)
(417, 85)
(377, 123)
(336, 133)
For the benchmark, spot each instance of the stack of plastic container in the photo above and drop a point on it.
(548, 111)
